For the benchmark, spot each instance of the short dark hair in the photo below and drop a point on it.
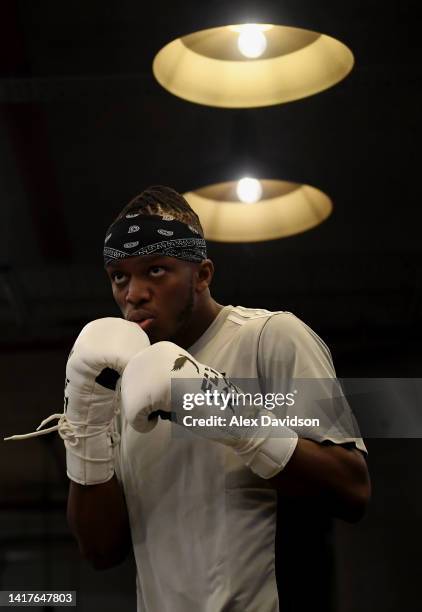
(159, 199)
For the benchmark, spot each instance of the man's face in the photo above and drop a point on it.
(155, 291)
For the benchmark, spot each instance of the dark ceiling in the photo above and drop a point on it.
(84, 127)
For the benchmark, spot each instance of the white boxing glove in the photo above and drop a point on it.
(95, 364)
(147, 388)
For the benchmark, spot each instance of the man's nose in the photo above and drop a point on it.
(138, 291)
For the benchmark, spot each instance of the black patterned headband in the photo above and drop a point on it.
(137, 234)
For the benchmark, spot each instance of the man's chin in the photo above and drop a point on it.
(154, 340)
(154, 336)
(150, 329)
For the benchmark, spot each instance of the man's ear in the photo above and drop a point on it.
(204, 275)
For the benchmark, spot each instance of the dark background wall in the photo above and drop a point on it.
(84, 127)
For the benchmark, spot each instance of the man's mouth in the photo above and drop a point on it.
(144, 320)
(145, 323)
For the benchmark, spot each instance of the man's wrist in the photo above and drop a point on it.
(90, 454)
(266, 453)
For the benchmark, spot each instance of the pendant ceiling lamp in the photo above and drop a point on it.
(250, 210)
(251, 65)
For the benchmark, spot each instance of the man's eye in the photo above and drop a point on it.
(118, 278)
(156, 271)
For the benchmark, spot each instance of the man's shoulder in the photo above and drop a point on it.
(249, 319)
(275, 328)
(245, 316)
(248, 323)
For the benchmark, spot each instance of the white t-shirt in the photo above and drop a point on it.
(203, 525)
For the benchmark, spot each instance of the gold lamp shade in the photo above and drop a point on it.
(211, 67)
(284, 209)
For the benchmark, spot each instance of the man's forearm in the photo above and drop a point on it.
(335, 476)
(98, 518)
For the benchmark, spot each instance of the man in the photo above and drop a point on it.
(199, 507)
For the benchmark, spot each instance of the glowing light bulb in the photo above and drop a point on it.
(252, 41)
(249, 190)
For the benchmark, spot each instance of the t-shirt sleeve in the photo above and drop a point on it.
(294, 362)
